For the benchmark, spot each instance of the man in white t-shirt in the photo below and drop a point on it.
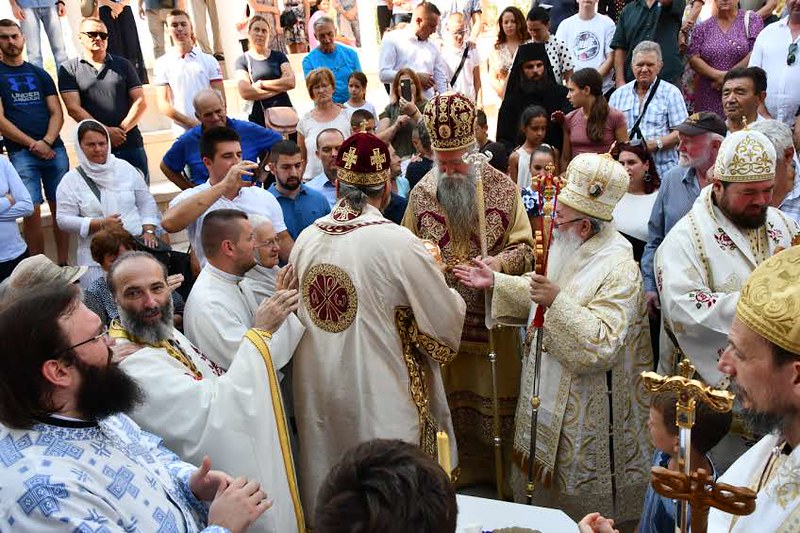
(588, 36)
(468, 80)
(228, 187)
(182, 72)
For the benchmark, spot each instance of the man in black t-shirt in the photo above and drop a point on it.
(106, 88)
(30, 121)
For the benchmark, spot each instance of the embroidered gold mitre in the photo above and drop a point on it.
(595, 183)
(769, 303)
(450, 120)
(745, 156)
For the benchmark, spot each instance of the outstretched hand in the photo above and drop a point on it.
(477, 275)
(596, 523)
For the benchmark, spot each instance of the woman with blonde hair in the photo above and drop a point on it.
(325, 115)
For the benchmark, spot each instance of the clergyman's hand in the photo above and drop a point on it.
(286, 279)
(273, 311)
(596, 523)
(543, 291)
(238, 505)
(476, 276)
(206, 483)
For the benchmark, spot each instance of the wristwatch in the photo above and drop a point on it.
(659, 144)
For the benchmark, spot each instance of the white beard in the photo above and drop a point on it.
(562, 251)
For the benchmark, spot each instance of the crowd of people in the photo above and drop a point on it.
(360, 280)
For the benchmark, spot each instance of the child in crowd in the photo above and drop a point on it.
(357, 87)
(543, 156)
(362, 121)
(658, 515)
(533, 125)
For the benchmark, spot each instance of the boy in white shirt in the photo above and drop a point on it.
(588, 36)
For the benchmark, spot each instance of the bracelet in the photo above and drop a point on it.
(45, 141)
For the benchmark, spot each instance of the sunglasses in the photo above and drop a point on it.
(792, 57)
(95, 34)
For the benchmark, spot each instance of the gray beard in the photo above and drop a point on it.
(757, 422)
(149, 334)
(456, 194)
(562, 251)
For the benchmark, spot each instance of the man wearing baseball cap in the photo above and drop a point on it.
(700, 136)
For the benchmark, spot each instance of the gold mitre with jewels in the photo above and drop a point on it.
(745, 156)
(769, 303)
(595, 183)
(450, 120)
(363, 159)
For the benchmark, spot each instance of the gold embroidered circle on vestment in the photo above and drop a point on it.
(330, 297)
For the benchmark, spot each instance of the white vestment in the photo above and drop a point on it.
(380, 320)
(217, 316)
(775, 477)
(69, 475)
(700, 268)
(591, 451)
(237, 419)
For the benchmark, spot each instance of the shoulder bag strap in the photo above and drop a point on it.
(635, 128)
(460, 65)
(89, 183)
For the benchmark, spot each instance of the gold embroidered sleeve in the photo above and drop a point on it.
(587, 338)
(412, 337)
(511, 301)
(410, 217)
(517, 255)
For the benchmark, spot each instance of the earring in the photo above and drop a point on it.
(647, 176)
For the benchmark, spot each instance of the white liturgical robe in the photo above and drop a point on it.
(237, 419)
(380, 319)
(774, 475)
(217, 315)
(700, 268)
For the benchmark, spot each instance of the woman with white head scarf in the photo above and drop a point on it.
(103, 192)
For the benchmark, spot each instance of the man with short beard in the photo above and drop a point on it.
(531, 82)
(707, 256)
(443, 208)
(591, 453)
(237, 418)
(71, 457)
(762, 358)
(217, 315)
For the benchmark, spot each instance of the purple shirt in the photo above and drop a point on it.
(721, 50)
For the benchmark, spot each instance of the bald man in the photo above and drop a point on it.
(217, 315)
(182, 163)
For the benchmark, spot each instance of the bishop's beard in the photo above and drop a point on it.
(562, 251)
(456, 194)
(135, 324)
(105, 390)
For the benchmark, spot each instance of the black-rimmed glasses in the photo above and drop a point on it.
(97, 337)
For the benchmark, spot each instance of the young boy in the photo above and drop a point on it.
(362, 121)
(658, 515)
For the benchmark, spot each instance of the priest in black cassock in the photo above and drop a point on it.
(531, 82)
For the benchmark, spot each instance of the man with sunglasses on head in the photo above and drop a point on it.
(106, 88)
(776, 51)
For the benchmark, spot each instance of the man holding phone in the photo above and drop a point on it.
(228, 187)
(410, 47)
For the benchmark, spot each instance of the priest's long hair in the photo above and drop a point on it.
(357, 196)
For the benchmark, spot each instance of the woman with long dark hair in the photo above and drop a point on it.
(632, 212)
(511, 33)
(593, 126)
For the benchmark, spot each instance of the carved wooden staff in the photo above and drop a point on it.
(686, 486)
(479, 160)
(548, 187)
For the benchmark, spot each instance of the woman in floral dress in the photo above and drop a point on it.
(295, 35)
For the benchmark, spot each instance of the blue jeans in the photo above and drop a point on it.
(137, 157)
(49, 18)
(36, 172)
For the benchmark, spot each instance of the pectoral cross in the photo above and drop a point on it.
(350, 157)
(695, 488)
